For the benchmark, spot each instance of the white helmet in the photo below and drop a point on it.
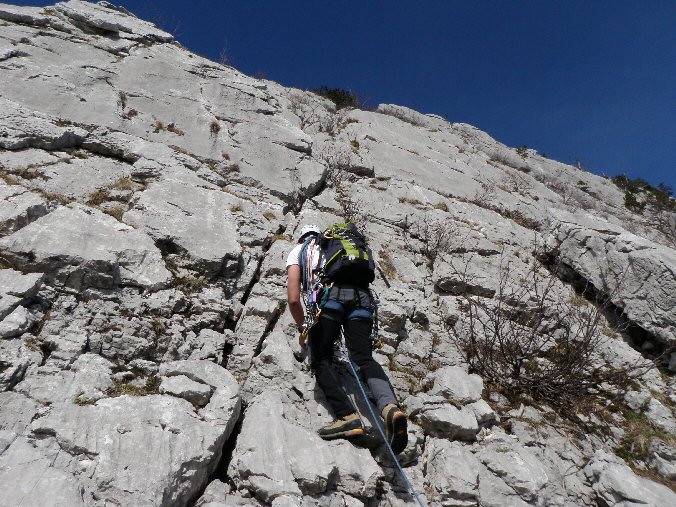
(308, 229)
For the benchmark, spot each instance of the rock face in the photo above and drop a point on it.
(148, 201)
(81, 247)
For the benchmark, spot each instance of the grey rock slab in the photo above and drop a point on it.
(18, 207)
(81, 247)
(195, 220)
(16, 413)
(275, 457)
(93, 177)
(148, 451)
(661, 416)
(483, 412)
(104, 16)
(639, 275)
(85, 382)
(25, 128)
(456, 385)
(28, 477)
(182, 387)
(446, 421)
(17, 322)
(452, 472)
(494, 492)
(208, 344)
(19, 284)
(616, 485)
(16, 360)
(202, 371)
(516, 465)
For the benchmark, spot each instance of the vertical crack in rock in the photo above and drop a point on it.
(271, 325)
(221, 471)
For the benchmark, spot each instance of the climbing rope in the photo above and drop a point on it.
(379, 425)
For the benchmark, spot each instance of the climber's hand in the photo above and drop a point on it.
(302, 336)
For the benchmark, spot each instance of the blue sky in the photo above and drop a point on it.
(593, 81)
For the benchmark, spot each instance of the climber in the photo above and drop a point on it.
(340, 304)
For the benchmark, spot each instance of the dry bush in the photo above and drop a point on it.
(214, 127)
(435, 234)
(487, 193)
(527, 340)
(408, 117)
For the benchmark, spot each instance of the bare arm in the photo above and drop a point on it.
(293, 294)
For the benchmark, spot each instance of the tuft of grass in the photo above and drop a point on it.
(123, 184)
(237, 208)
(214, 127)
(174, 129)
(122, 99)
(8, 178)
(82, 400)
(130, 114)
(441, 206)
(283, 237)
(98, 197)
(158, 327)
(159, 126)
(270, 215)
(225, 155)
(152, 386)
(189, 283)
(232, 168)
(386, 264)
(116, 213)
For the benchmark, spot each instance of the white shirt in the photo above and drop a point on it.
(315, 256)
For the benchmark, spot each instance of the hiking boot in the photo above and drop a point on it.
(348, 426)
(396, 427)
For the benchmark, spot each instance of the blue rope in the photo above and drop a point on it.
(376, 418)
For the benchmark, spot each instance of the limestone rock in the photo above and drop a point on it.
(28, 476)
(516, 465)
(81, 247)
(85, 382)
(142, 447)
(446, 421)
(617, 486)
(24, 128)
(189, 219)
(276, 457)
(18, 207)
(181, 386)
(456, 385)
(17, 358)
(105, 17)
(452, 473)
(640, 276)
(15, 323)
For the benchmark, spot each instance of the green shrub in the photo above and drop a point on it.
(341, 98)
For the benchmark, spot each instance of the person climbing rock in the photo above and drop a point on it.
(334, 268)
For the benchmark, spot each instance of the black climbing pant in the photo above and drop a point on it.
(323, 336)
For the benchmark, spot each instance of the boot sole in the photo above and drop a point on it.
(398, 432)
(344, 434)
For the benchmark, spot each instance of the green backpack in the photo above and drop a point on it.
(348, 258)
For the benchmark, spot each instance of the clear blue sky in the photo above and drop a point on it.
(593, 81)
